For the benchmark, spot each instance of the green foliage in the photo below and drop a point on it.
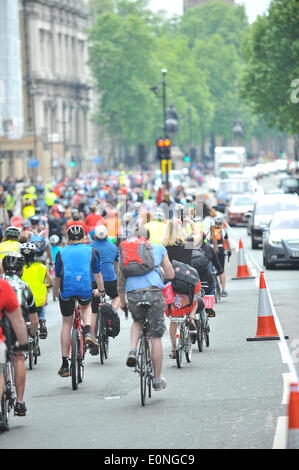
(271, 52)
(129, 45)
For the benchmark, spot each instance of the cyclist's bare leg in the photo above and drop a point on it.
(86, 313)
(115, 303)
(222, 280)
(18, 362)
(93, 323)
(172, 333)
(135, 334)
(66, 334)
(157, 356)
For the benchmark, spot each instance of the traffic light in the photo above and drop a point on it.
(73, 164)
(187, 159)
(163, 148)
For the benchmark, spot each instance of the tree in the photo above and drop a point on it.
(271, 52)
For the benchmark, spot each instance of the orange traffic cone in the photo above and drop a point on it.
(293, 413)
(266, 328)
(243, 272)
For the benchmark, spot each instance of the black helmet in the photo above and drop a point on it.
(75, 232)
(12, 232)
(13, 263)
(28, 250)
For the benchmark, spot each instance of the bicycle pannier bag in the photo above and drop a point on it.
(185, 279)
(199, 261)
(136, 257)
(111, 318)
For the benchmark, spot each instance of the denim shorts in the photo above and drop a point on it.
(155, 313)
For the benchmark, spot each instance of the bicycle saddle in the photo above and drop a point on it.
(144, 304)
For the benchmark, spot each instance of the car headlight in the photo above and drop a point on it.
(275, 241)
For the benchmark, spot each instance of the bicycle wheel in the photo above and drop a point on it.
(36, 350)
(30, 355)
(81, 355)
(179, 348)
(188, 343)
(199, 335)
(206, 334)
(149, 369)
(142, 370)
(74, 359)
(5, 402)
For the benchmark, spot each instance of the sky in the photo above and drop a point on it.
(253, 7)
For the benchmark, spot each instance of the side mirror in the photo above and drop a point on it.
(248, 214)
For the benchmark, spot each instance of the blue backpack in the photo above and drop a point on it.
(40, 244)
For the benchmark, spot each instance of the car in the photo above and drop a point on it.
(175, 177)
(239, 205)
(264, 209)
(235, 185)
(281, 240)
(290, 184)
(225, 173)
(281, 165)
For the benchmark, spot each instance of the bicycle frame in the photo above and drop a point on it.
(77, 325)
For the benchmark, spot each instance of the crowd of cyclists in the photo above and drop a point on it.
(98, 239)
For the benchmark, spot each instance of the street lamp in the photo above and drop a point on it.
(164, 72)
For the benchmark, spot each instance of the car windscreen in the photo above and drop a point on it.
(270, 207)
(234, 187)
(242, 201)
(285, 224)
(291, 183)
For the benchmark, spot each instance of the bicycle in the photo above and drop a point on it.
(217, 286)
(203, 330)
(183, 342)
(9, 397)
(34, 349)
(102, 336)
(77, 348)
(144, 366)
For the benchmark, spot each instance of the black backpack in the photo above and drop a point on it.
(185, 279)
(111, 319)
(199, 261)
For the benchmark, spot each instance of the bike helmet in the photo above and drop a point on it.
(75, 232)
(28, 250)
(12, 232)
(54, 240)
(218, 220)
(13, 263)
(159, 216)
(128, 217)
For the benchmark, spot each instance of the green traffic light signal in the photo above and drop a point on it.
(187, 158)
(72, 164)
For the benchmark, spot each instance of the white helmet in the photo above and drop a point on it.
(101, 232)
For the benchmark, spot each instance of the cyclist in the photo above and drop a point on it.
(13, 265)
(17, 331)
(156, 226)
(223, 242)
(11, 243)
(174, 241)
(109, 258)
(55, 245)
(35, 274)
(73, 279)
(147, 288)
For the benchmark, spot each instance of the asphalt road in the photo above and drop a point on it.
(233, 395)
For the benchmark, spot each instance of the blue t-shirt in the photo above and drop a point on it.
(152, 279)
(54, 250)
(108, 255)
(74, 266)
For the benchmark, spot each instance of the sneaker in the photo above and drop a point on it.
(210, 312)
(20, 409)
(3, 424)
(90, 340)
(43, 332)
(224, 293)
(131, 359)
(64, 371)
(158, 386)
(93, 349)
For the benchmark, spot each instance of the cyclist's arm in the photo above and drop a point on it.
(121, 283)
(48, 280)
(18, 324)
(99, 280)
(167, 267)
(56, 286)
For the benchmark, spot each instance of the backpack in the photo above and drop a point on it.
(199, 261)
(40, 244)
(185, 279)
(136, 257)
(111, 319)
